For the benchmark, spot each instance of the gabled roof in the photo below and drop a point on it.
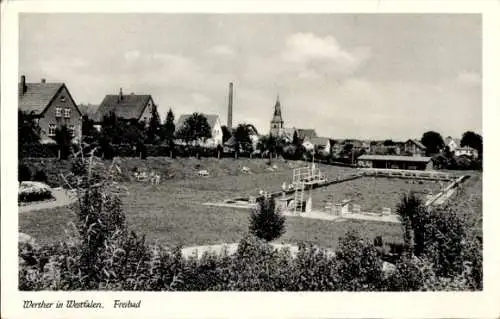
(211, 119)
(88, 109)
(396, 158)
(450, 139)
(38, 96)
(303, 133)
(319, 140)
(129, 107)
(420, 145)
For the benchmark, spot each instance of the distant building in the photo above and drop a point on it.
(395, 162)
(414, 147)
(229, 145)
(452, 143)
(277, 120)
(215, 126)
(130, 107)
(318, 144)
(52, 106)
(466, 151)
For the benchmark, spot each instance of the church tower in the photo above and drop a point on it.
(277, 121)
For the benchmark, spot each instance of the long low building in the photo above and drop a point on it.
(396, 162)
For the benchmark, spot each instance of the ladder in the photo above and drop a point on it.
(299, 197)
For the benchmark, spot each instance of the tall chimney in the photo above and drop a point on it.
(230, 108)
(22, 85)
(121, 94)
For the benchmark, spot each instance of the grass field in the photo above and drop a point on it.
(171, 213)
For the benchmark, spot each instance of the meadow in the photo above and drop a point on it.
(172, 213)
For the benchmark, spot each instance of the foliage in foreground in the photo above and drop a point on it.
(266, 222)
(101, 253)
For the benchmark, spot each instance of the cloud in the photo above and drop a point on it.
(222, 50)
(307, 48)
(469, 78)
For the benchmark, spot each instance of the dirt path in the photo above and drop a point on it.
(62, 198)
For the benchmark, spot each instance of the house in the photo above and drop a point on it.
(215, 126)
(52, 106)
(88, 109)
(452, 143)
(414, 147)
(466, 151)
(129, 107)
(306, 133)
(252, 133)
(318, 144)
(395, 162)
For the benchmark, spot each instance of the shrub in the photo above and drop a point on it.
(23, 173)
(358, 266)
(265, 221)
(33, 191)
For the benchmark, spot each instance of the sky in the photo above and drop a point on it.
(368, 76)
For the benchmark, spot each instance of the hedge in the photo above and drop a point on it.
(38, 150)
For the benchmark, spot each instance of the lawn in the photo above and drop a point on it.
(171, 213)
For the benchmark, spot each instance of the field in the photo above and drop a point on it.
(171, 213)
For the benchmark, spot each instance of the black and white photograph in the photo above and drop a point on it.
(248, 152)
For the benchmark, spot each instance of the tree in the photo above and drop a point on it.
(195, 129)
(433, 141)
(265, 221)
(153, 129)
(409, 209)
(63, 138)
(389, 143)
(358, 265)
(473, 140)
(28, 130)
(296, 140)
(168, 128)
(268, 144)
(243, 143)
(226, 135)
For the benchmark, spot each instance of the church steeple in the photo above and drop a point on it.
(277, 121)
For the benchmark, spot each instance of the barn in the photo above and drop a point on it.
(395, 162)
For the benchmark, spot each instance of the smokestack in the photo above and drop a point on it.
(230, 107)
(22, 85)
(120, 96)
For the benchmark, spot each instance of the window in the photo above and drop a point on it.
(58, 111)
(71, 129)
(67, 112)
(52, 130)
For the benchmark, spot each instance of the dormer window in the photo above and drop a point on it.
(67, 112)
(58, 111)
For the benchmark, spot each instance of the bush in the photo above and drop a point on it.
(358, 265)
(38, 150)
(265, 221)
(33, 192)
(40, 176)
(23, 173)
